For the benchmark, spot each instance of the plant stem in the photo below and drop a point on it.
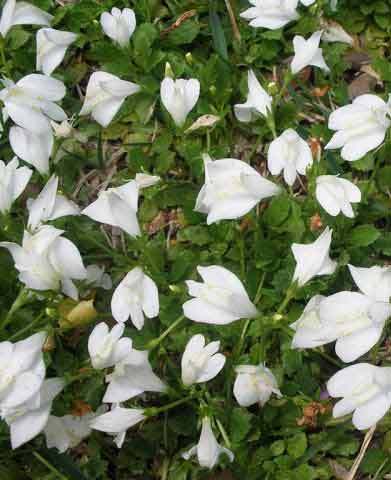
(49, 466)
(290, 293)
(259, 289)
(154, 343)
(223, 433)
(26, 328)
(233, 21)
(152, 411)
(20, 300)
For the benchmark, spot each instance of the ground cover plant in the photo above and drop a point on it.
(195, 237)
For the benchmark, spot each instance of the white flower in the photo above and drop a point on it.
(290, 153)
(31, 101)
(313, 259)
(333, 32)
(32, 148)
(68, 431)
(13, 181)
(258, 102)
(309, 330)
(307, 3)
(307, 52)
(47, 261)
(131, 377)
(144, 180)
(375, 282)
(22, 370)
(135, 296)
(232, 188)
(21, 13)
(117, 207)
(220, 300)
(361, 126)
(63, 129)
(354, 320)
(179, 97)
(29, 419)
(207, 450)
(254, 384)
(117, 421)
(119, 25)
(336, 194)
(271, 14)
(106, 348)
(105, 95)
(96, 277)
(200, 362)
(366, 391)
(49, 205)
(51, 47)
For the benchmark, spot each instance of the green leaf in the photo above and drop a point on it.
(240, 424)
(363, 235)
(184, 34)
(219, 42)
(297, 445)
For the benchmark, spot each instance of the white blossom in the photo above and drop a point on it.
(254, 384)
(365, 390)
(179, 97)
(119, 25)
(51, 48)
(21, 13)
(289, 153)
(135, 296)
(220, 300)
(232, 188)
(13, 181)
(313, 259)
(375, 282)
(107, 348)
(307, 52)
(200, 363)
(271, 14)
(336, 194)
(258, 102)
(31, 147)
(96, 277)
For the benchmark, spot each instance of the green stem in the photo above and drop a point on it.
(154, 343)
(152, 411)
(242, 337)
(259, 289)
(290, 293)
(287, 80)
(27, 327)
(3, 58)
(271, 124)
(223, 433)
(49, 466)
(20, 300)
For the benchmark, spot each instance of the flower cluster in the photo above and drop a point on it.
(48, 263)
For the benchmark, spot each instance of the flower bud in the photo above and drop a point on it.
(75, 314)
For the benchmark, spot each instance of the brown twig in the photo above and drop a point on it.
(361, 453)
(182, 18)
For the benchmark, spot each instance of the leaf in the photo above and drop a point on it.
(363, 235)
(64, 464)
(184, 34)
(240, 424)
(297, 445)
(219, 42)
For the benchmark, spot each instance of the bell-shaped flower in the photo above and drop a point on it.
(135, 296)
(22, 370)
(119, 25)
(220, 300)
(117, 207)
(51, 48)
(13, 181)
(313, 259)
(333, 32)
(117, 421)
(232, 188)
(375, 282)
(32, 148)
(365, 390)
(271, 14)
(258, 102)
(309, 330)
(107, 348)
(336, 194)
(289, 153)
(254, 384)
(352, 319)
(360, 127)
(207, 450)
(307, 52)
(96, 277)
(179, 97)
(49, 205)
(144, 180)
(21, 13)
(200, 362)
(131, 377)
(29, 419)
(105, 95)
(68, 431)
(30, 102)
(47, 261)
